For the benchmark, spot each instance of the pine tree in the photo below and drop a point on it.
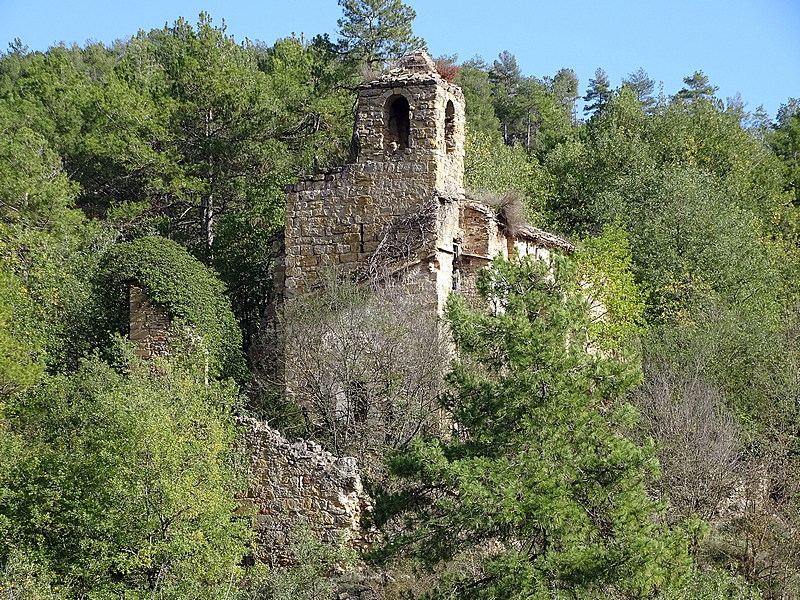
(564, 86)
(642, 86)
(540, 488)
(697, 88)
(374, 31)
(599, 92)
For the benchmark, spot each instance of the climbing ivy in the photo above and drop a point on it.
(192, 293)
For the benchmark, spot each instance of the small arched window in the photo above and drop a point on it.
(450, 126)
(398, 122)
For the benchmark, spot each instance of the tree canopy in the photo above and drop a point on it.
(163, 158)
(540, 484)
(375, 31)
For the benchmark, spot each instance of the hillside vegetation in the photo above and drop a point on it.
(652, 454)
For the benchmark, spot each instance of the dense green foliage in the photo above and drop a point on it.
(123, 484)
(616, 301)
(18, 366)
(179, 132)
(123, 162)
(541, 466)
(193, 295)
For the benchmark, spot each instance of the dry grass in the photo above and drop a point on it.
(510, 209)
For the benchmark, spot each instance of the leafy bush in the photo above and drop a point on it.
(122, 486)
(191, 292)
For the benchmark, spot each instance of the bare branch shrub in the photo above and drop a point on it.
(368, 71)
(401, 242)
(758, 534)
(698, 439)
(365, 365)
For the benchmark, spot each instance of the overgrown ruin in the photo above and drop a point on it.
(400, 208)
(398, 213)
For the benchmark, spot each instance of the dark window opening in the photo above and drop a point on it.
(450, 126)
(457, 262)
(398, 122)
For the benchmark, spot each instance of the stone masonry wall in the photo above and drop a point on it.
(299, 484)
(341, 217)
(149, 324)
(483, 237)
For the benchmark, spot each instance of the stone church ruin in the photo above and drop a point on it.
(398, 213)
(400, 208)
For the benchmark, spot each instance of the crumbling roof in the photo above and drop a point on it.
(523, 231)
(544, 238)
(416, 67)
(418, 61)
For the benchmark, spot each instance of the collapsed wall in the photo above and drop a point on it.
(296, 485)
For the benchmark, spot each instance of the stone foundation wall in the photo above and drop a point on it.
(299, 484)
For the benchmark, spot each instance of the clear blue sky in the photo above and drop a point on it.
(746, 46)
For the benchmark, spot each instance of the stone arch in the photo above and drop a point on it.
(398, 122)
(450, 126)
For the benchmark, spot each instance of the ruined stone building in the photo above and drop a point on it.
(396, 214)
(400, 207)
(398, 211)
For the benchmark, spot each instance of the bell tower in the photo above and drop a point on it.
(410, 116)
(397, 203)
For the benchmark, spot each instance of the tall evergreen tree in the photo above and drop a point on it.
(541, 472)
(506, 77)
(564, 86)
(505, 72)
(598, 93)
(473, 77)
(374, 31)
(697, 88)
(642, 86)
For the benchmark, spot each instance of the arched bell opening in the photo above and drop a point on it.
(450, 127)
(398, 122)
